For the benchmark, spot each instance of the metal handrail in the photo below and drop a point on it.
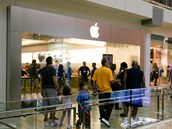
(159, 4)
(37, 110)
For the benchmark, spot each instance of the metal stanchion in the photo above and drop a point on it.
(163, 113)
(158, 105)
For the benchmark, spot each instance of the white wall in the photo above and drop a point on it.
(124, 54)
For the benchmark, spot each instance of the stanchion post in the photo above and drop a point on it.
(163, 103)
(158, 104)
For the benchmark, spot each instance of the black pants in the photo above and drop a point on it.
(84, 116)
(106, 106)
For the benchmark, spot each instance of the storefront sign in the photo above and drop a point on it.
(94, 31)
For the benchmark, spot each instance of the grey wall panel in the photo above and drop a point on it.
(14, 56)
(58, 25)
(14, 68)
(14, 18)
(157, 18)
(46, 23)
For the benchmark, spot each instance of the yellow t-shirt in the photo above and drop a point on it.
(103, 76)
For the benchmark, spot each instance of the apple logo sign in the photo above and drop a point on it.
(94, 31)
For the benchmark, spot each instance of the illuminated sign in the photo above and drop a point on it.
(94, 31)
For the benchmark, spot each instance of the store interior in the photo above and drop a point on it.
(76, 51)
(38, 47)
(161, 52)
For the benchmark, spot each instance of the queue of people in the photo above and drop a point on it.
(104, 80)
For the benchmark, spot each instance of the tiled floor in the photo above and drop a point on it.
(36, 121)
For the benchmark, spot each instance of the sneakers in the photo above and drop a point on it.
(125, 123)
(52, 124)
(104, 121)
(136, 122)
(47, 123)
(69, 127)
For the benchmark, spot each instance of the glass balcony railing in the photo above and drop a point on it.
(154, 105)
(162, 3)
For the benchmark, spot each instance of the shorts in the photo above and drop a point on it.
(50, 97)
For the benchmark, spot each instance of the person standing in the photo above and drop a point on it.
(56, 65)
(83, 106)
(33, 74)
(60, 76)
(134, 79)
(68, 74)
(26, 67)
(92, 73)
(84, 72)
(67, 102)
(102, 80)
(115, 86)
(49, 87)
(155, 74)
(120, 76)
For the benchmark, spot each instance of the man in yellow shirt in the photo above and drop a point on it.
(102, 80)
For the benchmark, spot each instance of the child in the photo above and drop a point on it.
(83, 108)
(66, 100)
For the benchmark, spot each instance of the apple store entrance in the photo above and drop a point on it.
(65, 38)
(38, 47)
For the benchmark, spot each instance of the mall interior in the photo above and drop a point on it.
(78, 31)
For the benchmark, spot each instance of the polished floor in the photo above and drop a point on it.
(153, 112)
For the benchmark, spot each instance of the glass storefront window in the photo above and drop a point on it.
(38, 47)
